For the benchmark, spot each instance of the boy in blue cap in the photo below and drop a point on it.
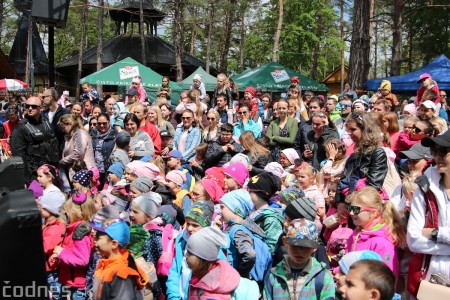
(117, 275)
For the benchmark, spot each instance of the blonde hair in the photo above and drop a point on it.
(369, 196)
(159, 162)
(159, 119)
(76, 122)
(194, 98)
(294, 103)
(76, 212)
(408, 184)
(216, 115)
(439, 124)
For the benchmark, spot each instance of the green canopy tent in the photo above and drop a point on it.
(274, 77)
(122, 72)
(209, 80)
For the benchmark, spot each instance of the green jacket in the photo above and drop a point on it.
(271, 221)
(335, 115)
(277, 281)
(273, 132)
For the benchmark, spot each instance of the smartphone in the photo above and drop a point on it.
(307, 147)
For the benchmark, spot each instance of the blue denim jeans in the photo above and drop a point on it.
(75, 294)
(54, 285)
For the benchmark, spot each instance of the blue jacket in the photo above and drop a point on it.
(254, 127)
(193, 139)
(173, 283)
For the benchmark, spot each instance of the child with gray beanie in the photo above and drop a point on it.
(140, 186)
(211, 278)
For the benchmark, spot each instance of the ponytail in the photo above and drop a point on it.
(393, 223)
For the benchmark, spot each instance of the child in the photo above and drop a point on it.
(379, 227)
(47, 176)
(235, 176)
(200, 86)
(117, 275)
(82, 181)
(53, 230)
(165, 88)
(140, 186)
(261, 188)
(199, 216)
(300, 276)
(120, 152)
(115, 173)
(243, 233)
(334, 166)
(136, 83)
(404, 141)
(212, 278)
(306, 178)
(175, 162)
(175, 180)
(76, 249)
(369, 279)
(197, 162)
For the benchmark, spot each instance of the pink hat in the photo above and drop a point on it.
(143, 169)
(213, 189)
(177, 177)
(136, 80)
(411, 108)
(423, 76)
(291, 154)
(36, 188)
(251, 90)
(275, 168)
(216, 174)
(238, 172)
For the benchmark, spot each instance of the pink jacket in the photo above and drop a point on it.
(218, 284)
(422, 90)
(316, 195)
(74, 258)
(404, 142)
(378, 240)
(142, 94)
(52, 236)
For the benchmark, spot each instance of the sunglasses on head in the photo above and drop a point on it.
(358, 209)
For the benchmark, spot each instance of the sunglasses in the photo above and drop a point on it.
(357, 209)
(439, 152)
(210, 119)
(33, 106)
(186, 118)
(346, 105)
(102, 123)
(417, 130)
(242, 112)
(443, 96)
(93, 124)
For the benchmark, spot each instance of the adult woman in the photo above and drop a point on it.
(212, 131)
(156, 118)
(103, 141)
(390, 121)
(439, 125)
(282, 131)
(259, 156)
(313, 149)
(76, 110)
(166, 111)
(91, 124)
(96, 110)
(141, 143)
(368, 160)
(245, 122)
(187, 137)
(275, 109)
(267, 102)
(78, 145)
(348, 91)
(425, 234)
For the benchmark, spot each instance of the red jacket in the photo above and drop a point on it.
(422, 90)
(153, 132)
(74, 258)
(52, 235)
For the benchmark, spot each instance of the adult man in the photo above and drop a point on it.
(34, 140)
(382, 106)
(330, 105)
(444, 103)
(430, 95)
(87, 110)
(427, 110)
(346, 110)
(223, 149)
(52, 113)
(141, 113)
(226, 115)
(109, 104)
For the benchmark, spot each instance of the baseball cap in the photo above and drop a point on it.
(303, 233)
(429, 104)
(417, 151)
(295, 79)
(165, 133)
(174, 154)
(423, 76)
(334, 97)
(116, 229)
(132, 92)
(442, 140)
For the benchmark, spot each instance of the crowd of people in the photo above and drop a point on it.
(296, 197)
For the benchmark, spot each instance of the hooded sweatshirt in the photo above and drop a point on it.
(379, 240)
(220, 281)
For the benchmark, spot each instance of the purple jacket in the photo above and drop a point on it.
(378, 240)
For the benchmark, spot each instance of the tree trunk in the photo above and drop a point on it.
(82, 44)
(375, 52)
(315, 61)
(410, 49)
(142, 32)
(194, 30)
(242, 44)
(360, 45)
(178, 16)
(276, 39)
(397, 38)
(229, 18)
(208, 40)
(2, 8)
(101, 3)
(385, 50)
(341, 25)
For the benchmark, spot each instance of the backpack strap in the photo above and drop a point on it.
(319, 281)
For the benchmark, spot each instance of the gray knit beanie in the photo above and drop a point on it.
(143, 184)
(149, 203)
(302, 207)
(206, 243)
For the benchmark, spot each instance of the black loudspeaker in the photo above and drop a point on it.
(12, 174)
(50, 12)
(22, 271)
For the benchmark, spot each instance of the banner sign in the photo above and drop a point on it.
(128, 72)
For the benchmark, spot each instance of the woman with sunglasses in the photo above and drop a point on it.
(212, 131)
(429, 222)
(420, 130)
(187, 136)
(378, 226)
(245, 121)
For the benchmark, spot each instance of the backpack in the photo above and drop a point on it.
(337, 244)
(263, 257)
(169, 235)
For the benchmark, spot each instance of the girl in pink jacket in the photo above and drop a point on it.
(379, 227)
(136, 83)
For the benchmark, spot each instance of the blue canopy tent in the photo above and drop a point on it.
(439, 69)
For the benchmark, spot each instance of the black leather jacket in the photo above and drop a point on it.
(374, 167)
